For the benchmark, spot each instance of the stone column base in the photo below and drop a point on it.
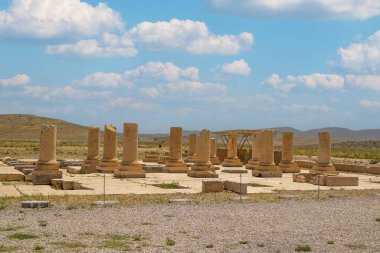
(251, 165)
(89, 166)
(163, 159)
(151, 158)
(44, 177)
(215, 160)
(167, 169)
(107, 166)
(202, 174)
(191, 159)
(232, 162)
(319, 169)
(267, 171)
(129, 173)
(175, 167)
(289, 167)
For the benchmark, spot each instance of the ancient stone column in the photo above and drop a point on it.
(267, 167)
(130, 166)
(90, 164)
(47, 167)
(203, 168)
(175, 164)
(255, 159)
(109, 162)
(192, 146)
(213, 158)
(287, 165)
(232, 160)
(324, 165)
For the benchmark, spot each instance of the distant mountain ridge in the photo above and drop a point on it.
(337, 133)
(27, 127)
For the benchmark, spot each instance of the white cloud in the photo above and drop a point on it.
(195, 87)
(130, 103)
(56, 19)
(191, 36)
(152, 92)
(368, 104)
(17, 80)
(306, 107)
(315, 80)
(318, 9)
(239, 67)
(102, 79)
(92, 48)
(370, 82)
(67, 91)
(162, 71)
(362, 57)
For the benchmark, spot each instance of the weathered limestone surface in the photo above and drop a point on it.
(324, 165)
(152, 156)
(109, 162)
(212, 186)
(232, 159)
(254, 161)
(130, 166)
(192, 148)
(175, 163)
(287, 165)
(213, 158)
(90, 164)
(47, 166)
(203, 168)
(267, 167)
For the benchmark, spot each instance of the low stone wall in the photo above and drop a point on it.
(357, 168)
(305, 164)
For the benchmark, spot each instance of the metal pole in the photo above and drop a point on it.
(104, 189)
(240, 187)
(318, 185)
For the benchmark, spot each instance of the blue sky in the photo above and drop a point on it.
(216, 64)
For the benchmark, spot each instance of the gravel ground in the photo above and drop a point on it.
(334, 225)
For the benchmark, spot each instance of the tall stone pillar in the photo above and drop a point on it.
(175, 164)
(130, 166)
(203, 168)
(213, 158)
(255, 159)
(109, 162)
(267, 167)
(324, 165)
(287, 165)
(232, 160)
(90, 164)
(192, 146)
(47, 166)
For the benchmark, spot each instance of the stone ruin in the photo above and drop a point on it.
(201, 158)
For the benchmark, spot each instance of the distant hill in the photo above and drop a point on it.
(27, 127)
(338, 134)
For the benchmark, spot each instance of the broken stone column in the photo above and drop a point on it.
(175, 164)
(109, 162)
(203, 168)
(287, 165)
(47, 166)
(232, 160)
(130, 166)
(255, 159)
(213, 158)
(267, 167)
(192, 146)
(324, 165)
(90, 164)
